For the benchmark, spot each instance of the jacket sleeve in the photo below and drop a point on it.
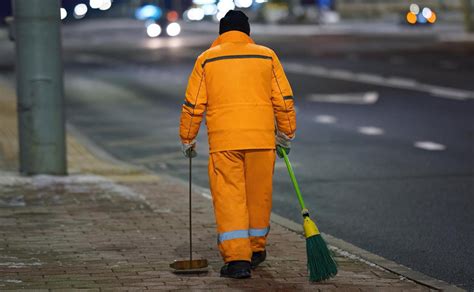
(194, 104)
(282, 100)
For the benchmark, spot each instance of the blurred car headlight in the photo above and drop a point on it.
(243, 3)
(153, 30)
(173, 29)
(80, 10)
(106, 5)
(195, 14)
(96, 4)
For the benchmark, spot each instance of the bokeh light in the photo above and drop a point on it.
(224, 6)
(106, 4)
(421, 19)
(204, 2)
(63, 13)
(172, 16)
(80, 10)
(427, 13)
(173, 29)
(411, 18)
(414, 8)
(153, 30)
(195, 14)
(209, 9)
(433, 17)
(148, 12)
(96, 4)
(243, 3)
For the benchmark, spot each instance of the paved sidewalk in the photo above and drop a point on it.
(112, 227)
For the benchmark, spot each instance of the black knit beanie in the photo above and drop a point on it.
(234, 20)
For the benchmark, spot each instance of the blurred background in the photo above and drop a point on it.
(402, 12)
(384, 92)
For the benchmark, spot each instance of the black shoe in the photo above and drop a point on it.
(258, 258)
(236, 270)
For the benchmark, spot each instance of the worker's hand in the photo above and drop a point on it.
(189, 150)
(279, 150)
(283, 142)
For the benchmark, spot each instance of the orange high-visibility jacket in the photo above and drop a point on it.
(243, 90)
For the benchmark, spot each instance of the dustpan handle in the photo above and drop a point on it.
(190, 213)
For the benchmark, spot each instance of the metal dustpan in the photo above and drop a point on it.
(190, 266)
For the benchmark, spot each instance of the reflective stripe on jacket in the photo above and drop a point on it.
(243, 90)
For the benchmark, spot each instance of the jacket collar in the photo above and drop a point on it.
(233, 36)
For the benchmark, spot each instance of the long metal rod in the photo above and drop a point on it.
(190, 216)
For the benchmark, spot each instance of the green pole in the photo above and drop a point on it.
(39, 75)
(293, 178)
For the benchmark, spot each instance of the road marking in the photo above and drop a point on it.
(344, 74)
(430, 146)
(325, 119)
(281, 165)
(448, 92)
(318, 70)
(369, 78)
(402, 82)
(371, 131)
(374, 79)
(207, 196)
(370, 97)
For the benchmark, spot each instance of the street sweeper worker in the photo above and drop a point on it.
(249, 109)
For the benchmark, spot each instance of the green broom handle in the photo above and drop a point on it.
(293, 179)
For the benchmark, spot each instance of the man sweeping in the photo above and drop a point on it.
(249, 109)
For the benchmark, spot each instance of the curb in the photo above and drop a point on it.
(372, 259)
(336, 244)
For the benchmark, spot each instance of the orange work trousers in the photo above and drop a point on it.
(241, 187)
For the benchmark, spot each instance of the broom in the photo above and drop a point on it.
(321, 265)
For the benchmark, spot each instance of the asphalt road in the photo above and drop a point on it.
(384, 147)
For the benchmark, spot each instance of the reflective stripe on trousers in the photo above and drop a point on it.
(243, 234)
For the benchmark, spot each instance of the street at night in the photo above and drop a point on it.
(384, 147)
